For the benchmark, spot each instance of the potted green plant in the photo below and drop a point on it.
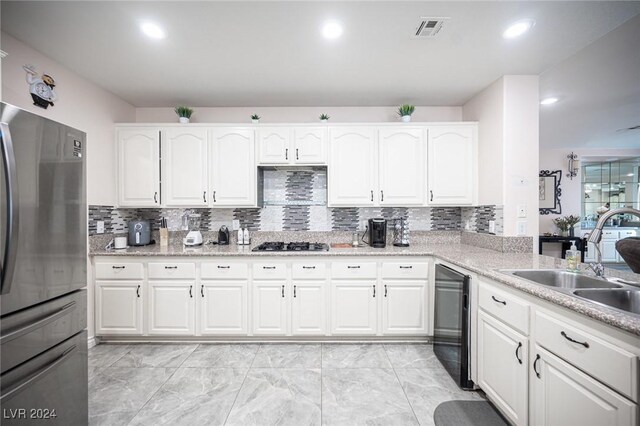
(562, 225)
(184, 113)
(324, 118)
(255, 118)
(572, 221)
(405, 111)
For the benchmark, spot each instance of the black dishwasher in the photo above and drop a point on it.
(452, 324)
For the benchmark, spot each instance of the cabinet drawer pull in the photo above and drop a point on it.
(223, 267)
(499, 301)
(170, 267)
(308, 267)
(138, 291)
(282, 290)
(374, 290)
(118, 267)
(535, 364)
(585, 344)
(353, 267)
(294, 291)
(202, 290)
(517, 349)
(191, 291)
(385, 290)
(268, 267)
(406, 267)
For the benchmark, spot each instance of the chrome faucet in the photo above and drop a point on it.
(596, 235)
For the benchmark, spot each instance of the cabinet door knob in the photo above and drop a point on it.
(385, 290)
(381, 195)
(297, 156)
(517, 349)
(214, 196)
(535, 366)
(155, 197)
(204, 196)
(202, 290)
(286, 154)
(138, 291)
(283, 290)
(431, 193)
(372, 195)
(374, 290)
(294, 291)
(191, 291)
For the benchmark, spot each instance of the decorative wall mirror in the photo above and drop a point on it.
(549, 191)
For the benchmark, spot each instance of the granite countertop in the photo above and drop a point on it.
(482, 261)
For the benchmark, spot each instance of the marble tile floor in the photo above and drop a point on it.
(267, 384)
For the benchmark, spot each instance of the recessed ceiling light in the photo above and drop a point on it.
(518, 28)
(548, 101)
(332, 30)
(152, 30)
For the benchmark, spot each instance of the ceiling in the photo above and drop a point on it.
(599, 94)
(272, 54)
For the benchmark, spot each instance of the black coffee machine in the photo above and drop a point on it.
(377, 230)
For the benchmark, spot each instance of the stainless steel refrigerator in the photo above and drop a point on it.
(43, 255)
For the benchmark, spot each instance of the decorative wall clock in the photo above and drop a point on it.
(41, 88)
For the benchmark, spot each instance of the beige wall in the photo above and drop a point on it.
(507, 112)
(298, 114)
(82, 104)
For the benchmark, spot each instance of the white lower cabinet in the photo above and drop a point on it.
(502, 367)
(564, 395)
(222, 307)
(171, 308)
(404, 308)
(308, 308)
(119, 307)
(269, 308)
(354, 307)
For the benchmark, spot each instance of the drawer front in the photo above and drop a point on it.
(119, 271)
(410, 270)
(269, 271)
(224, 270)
(171, 270)
(610, 235)
(507, 308)
(309, 270)
(355, 270)
(603, 360)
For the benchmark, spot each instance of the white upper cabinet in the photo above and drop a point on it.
(401, 169)
(352, 166)
(232, 167)
(138, 167)
(184, 167)
(452, 165)
(274, 145)
(310, 145)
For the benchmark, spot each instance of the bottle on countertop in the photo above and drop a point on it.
(572, 257)
(246, 237)
(240, 237)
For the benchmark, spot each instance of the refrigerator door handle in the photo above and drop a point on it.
(11, 177)
(53, 364)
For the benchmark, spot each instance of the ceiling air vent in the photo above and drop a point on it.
(429, 27)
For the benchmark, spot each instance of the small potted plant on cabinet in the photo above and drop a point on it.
(324, 118)
(405, 111)
(255, 118)
(184, 113)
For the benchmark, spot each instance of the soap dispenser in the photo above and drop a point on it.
(572, 257)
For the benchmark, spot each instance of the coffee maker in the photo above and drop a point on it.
(377, 230)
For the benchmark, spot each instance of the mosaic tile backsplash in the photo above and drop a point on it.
(296, 200)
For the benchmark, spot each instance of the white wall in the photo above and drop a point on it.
(298, 114)
(81, 104)
(487, 108)
(507, 112)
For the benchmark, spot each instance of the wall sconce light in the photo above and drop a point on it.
(573, 165)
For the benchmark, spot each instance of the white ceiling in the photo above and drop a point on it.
(599, 92)
(272, 54)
